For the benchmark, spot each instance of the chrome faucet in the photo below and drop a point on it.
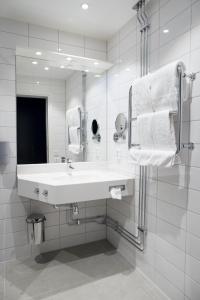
(69, 163)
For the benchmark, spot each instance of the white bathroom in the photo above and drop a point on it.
(100, 150)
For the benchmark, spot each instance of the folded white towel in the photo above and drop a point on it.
(73, 117)
(74, 135)
(156, 136)
(164, 86)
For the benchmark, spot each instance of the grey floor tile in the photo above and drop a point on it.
(92, 271)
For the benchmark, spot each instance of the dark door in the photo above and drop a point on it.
(31, 130)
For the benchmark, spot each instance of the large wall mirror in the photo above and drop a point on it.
(56, 102)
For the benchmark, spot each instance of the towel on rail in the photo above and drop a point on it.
(73, 117)
(74, 140)
(75, 149)
(164, 87)
(157, 91)
(74, 135)
(156, 136)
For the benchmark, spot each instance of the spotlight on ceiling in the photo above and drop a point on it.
(38, 53)
(62, 67)
(46, 68)
(34, 62)
(165, 30)
(84, 6)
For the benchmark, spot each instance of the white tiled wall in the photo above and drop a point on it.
(171, 257)
(54, 91)
(13, 210)
(96, 108)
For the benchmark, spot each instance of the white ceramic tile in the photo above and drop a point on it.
(192, 288)
(193, 220)
(12, 26)
(172, 234)
(95, 54)
(172, 194)
(193, 268)
(41, 44)
(94, 44)
(194, 178)
(43, 33)
(10, 40)
(181, 23)
(171, 273)
(172, 214)
(71, 49)
(71, 39)
(195, 14)
(194, 201)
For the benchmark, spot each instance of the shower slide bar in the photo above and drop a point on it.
(179, 114)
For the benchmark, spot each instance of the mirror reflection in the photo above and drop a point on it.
(55, 103)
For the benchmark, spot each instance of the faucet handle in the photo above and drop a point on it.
(63, 159)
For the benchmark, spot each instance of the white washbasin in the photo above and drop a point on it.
(56, 184)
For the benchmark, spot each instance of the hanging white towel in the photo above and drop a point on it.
(75, 149)
(73, 117)
(142, 95)
(74, 135)
(156, 136)
(164, 87)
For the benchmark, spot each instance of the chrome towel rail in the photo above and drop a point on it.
(179, 113)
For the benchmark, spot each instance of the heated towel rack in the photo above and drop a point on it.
(179, 113)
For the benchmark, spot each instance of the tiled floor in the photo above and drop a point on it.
(92, 271)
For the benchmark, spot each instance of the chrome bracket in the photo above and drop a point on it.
(189, 146)
(191, 76)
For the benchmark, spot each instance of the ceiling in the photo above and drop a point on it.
(101, 20)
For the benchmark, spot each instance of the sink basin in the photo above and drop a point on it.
(55, 184)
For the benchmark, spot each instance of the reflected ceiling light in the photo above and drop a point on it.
(165, 30)
(38, 53)
(84, 6)
(86, 70)
(96, 63)
(97, 75)
(128, 69)
(34, 62)
(68, 58)
(46, 68)
(37, 82)
(62, 67)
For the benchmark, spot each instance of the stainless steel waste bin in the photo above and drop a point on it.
(36, 228)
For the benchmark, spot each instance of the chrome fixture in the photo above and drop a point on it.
(69, 164)
(120, 126)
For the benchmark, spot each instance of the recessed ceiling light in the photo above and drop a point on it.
(46, 68)
(128, 69)
(68, 58)
(38, 53)
(86, 70)
(34, 62)
(59, 49)
(165, 30)
(62, 67)
(97, 75)
(96, 63)
(37, 82)
(84, 6)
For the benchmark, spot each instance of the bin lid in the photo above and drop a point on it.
(35, 218)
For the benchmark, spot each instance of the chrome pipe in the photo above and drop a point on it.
(130, 117)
